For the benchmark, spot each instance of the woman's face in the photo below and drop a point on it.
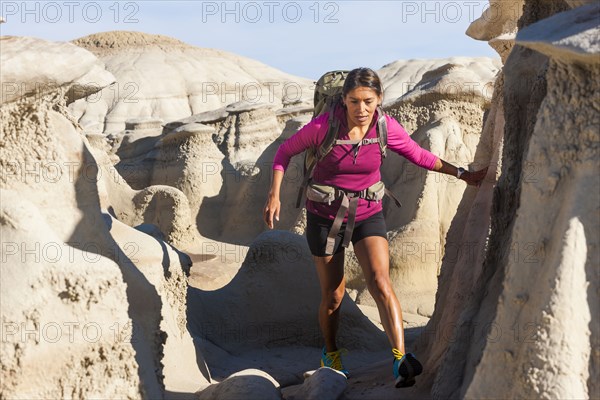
(361, 103)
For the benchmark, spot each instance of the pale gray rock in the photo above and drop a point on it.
(182, 132)
(58, 303)
(207, 117)
(152, 230)
(66, 68)
(467, 75)
(568, 36)
(245, 106)
(503, 44)
(303, 108)
(454, 81)
(243, 385)
(498, 25)
(548, 284)
(197, 171)
(161, 77)
(247, 132)
(504, 309)
(128, 285)
(324, 383)
(143, 123)
(499, 18)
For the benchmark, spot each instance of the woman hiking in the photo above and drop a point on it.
(349, 171)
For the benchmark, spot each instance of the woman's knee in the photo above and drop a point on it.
(380, 287)
(333, 299)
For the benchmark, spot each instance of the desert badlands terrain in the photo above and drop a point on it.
(135, 263)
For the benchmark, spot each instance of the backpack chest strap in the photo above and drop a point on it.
(357, 144)
(360, 142)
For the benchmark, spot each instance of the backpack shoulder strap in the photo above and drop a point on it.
(382, 132)
(333, 126)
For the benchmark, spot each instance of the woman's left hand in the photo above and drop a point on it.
(474, 178)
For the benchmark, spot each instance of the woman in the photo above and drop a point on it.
(354, 168)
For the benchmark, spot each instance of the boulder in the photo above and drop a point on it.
(324, 383)
(246, 384)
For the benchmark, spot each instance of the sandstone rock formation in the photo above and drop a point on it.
(75, 70)
(501, 311)
(498, 25)
(66, 287)
(103, 301)
(62, 305)
(402, 76)
(551, 294)
(220, 161)
(199, 80)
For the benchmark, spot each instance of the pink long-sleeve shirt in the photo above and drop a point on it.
(338, 168)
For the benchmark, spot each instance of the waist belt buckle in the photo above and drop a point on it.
(352, 195)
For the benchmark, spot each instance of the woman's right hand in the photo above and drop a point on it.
(273, 205)
(474, 178)
(271, 210)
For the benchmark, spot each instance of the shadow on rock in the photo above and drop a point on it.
(272, 302)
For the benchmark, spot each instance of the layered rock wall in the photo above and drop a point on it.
(101, 301)
(500, 325)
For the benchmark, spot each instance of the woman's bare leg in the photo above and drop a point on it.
(330, 270)
(373, 255)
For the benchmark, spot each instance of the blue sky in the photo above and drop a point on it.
(303, 38)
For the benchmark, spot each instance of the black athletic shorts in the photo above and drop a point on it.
(317, 229)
